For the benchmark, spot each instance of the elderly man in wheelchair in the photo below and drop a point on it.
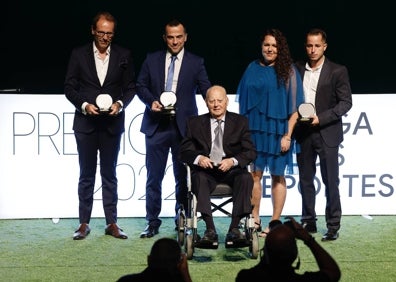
(237, 151)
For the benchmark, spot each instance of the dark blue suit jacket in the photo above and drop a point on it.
(82, 85)
(193, 79)
(333, 100)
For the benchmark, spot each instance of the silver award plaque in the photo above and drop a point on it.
(306, 111)
(104, 102)
(168, 100)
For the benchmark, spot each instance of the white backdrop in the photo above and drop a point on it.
(39, 166)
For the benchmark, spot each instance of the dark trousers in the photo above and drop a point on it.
(166, 139)
(204, 181)
(88, 146)
(312, 147)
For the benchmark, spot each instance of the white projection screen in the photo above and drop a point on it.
(39, 166)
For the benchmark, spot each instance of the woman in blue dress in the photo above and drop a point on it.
(269, 94)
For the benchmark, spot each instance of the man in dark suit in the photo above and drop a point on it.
(237, 152)
(99, 68)
(327, 87)
(164, 129)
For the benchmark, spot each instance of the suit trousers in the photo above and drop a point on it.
(204, 181)
(166, 139)
(88, 146)
(312, 147)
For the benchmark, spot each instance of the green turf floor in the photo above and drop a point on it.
(40, 250)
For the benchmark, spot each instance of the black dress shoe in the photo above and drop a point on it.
(210, 240)
(149, 231)
(310, 227)
(210, 235)
(82, 232)
(235, 238)
(114, 230)
(331, 235)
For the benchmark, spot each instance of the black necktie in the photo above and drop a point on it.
(216, 154)
(171, 71)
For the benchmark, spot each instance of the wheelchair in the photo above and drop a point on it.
(187, 233)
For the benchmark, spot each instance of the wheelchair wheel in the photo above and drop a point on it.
(189, 246)
(181, 229)
(254, 245)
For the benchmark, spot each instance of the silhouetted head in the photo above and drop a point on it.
(280, 245)
(165, 254)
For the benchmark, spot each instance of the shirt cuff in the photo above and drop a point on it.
(83, 108)
(121, 103)
(235, 161)
(196, 159)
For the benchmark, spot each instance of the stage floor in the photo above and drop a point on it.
(41, 250)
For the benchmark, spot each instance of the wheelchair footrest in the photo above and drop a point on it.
(237, 243)
(207, 245)
(204, 244)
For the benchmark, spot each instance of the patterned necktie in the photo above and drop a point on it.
(171, 70)
(216, 154)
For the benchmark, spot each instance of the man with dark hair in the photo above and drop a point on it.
(100, 83)
(169, 78)
(327, 88)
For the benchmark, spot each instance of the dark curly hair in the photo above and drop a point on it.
(284, 61)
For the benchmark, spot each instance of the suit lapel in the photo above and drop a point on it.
(161, 70)
(229, 126)
(183, 72)
(324, 76)
(206, 131)
(91, 62)
(114, 58)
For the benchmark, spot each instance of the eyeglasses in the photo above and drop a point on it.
(102, 34)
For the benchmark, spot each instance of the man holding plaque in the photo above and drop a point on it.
(100, 83)
(167, 84)
(328, 96)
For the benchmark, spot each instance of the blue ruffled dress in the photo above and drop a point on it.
(268, 108)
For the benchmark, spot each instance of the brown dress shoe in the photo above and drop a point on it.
(82, 232)
(115, 231)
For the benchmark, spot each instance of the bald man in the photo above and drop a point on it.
(238, 152)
